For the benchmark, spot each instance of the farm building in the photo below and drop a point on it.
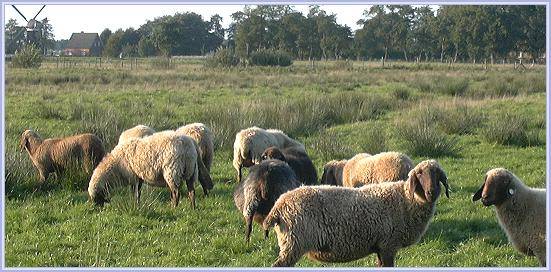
(83, 44)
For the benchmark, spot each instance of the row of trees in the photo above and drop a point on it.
(464, 33)
(468, 33)
(179, 34)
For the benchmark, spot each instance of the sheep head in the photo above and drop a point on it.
(425, 179)
(272, 153)
(331, 173)
(497, 187)
(27, 136)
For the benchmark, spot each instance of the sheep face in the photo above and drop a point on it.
(99, 198)
(425, 179)
(496, 188)
(328, 176)
(272, 153)
(24, 142)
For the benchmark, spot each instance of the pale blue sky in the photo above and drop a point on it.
(67, 19)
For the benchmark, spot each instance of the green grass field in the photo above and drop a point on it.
(468, 118)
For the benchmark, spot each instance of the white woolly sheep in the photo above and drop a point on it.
(204, 138)
(339, 224)
(251, 142)
(57, 154)
(256, 195)
(520, 210)
(386, 166)
(164, 159)
(138, 131)
(332, 173)
(297, 159)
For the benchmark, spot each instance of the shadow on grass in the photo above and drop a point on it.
(454, 232)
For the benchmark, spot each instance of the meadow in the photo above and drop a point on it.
(468, 118)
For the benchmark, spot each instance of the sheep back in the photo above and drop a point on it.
(297, 159)
(138, 131)
(386, 166)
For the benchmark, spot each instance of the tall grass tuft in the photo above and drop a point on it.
(460, 119)
(511, 129)
(300, 116)
(373, 140)
(330, 146)
(418, 134)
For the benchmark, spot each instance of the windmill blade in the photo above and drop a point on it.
(39, 12)
(20, 13)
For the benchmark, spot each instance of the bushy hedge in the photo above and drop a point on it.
(223, 57)
(28, 57)
(268, 57)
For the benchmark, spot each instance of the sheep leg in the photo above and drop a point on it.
(289, 254)
(239, 173)
(385, 258)
(138, 191)
(191, 192)
(174, 197)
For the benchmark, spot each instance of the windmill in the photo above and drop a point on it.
(33, 28)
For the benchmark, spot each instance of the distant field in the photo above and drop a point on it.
(468, 118)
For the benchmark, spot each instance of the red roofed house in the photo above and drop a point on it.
(83, 44)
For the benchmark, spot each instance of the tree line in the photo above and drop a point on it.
(448, 33)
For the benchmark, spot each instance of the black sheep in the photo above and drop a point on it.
(256, 195)
(297, 159)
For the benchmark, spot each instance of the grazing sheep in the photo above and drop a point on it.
(297, 159)
(204, 138)
(251, 142)
(520, 210)
(332, 173)
(339, 224)
(256, 195)
(164, 159)
(138, 131)
(386, 166)
(58, 154)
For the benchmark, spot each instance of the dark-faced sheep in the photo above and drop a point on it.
(332, 173)
(57, 154)
(251, 142)
(297, 159)
(520, 210)
(164, 159)
(255, 196)
(340, 224)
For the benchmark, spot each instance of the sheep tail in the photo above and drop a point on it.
(250, 209)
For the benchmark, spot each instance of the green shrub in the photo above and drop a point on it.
(418, 134)
(223, 57)
(511, 129)
(28, 57)
(268, 57)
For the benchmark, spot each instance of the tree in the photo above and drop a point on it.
(104, 36)
(45, 37)
(146, 47)
(14, 36)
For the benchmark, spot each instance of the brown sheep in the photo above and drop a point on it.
(204, 138)
(387, 166)
(57, 154)
(332, 172)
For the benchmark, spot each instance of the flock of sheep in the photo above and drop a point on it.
(367, 204)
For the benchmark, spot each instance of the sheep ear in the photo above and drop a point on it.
(413, 181)
(478, 193)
